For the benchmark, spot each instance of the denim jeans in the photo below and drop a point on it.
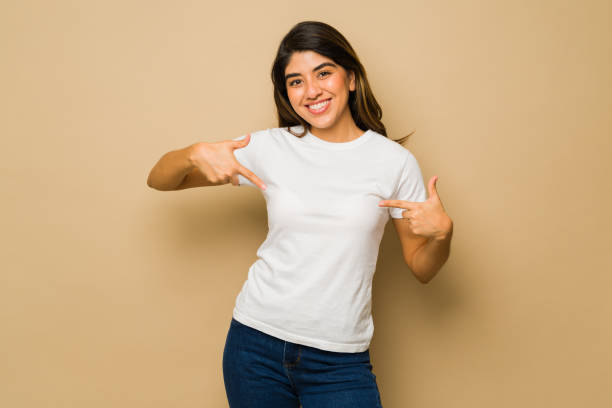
(263, 371)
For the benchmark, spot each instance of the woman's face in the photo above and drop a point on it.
(318, 89)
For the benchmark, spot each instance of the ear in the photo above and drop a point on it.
(351, 80)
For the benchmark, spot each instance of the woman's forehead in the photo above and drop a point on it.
(305, 59)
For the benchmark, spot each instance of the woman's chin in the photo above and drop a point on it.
(320, 123)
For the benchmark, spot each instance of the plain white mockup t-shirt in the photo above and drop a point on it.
(312, 281)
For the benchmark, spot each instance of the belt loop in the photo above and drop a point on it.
(284, 348)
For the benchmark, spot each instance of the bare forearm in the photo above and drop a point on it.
(171, 169)
(430, 257)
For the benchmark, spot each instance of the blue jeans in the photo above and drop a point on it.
(262, 371)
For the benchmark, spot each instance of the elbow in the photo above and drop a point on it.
(422, 278)
(425, 281)
(418, 276)
(159, 188)
(150, 180)
(151, 184)
(155, 186)
(426, 278)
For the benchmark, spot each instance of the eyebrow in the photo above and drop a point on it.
(325, 64)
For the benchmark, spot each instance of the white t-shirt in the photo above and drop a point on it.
(312, 281)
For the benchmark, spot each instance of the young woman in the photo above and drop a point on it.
(302, 325)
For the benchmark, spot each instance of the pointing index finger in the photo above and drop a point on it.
(395, 203)
(251, 176)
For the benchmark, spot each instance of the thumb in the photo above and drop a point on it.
(431, 187)
(243, 142)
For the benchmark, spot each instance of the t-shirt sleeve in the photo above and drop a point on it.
(247, 156)
(410, 185)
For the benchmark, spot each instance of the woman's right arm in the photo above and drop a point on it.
(201, 164)
(172, 169)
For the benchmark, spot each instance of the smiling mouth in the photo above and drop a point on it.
(319, 107)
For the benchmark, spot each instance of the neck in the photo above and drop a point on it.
(344, 130)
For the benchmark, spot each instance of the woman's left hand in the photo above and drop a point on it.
(428, 218)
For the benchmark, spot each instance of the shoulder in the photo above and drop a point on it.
(267, 135)
(260, 139)
(392, 150)
(279, 138)
(255, 135)
(282, 132)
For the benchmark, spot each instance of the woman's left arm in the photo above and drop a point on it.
(425, 232)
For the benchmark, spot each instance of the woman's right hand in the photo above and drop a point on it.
(217, 162)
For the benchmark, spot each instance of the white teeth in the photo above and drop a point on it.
(319, 105)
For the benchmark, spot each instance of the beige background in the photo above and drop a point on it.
(116, 295)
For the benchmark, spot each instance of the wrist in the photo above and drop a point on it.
(192, 154)
(445, 234)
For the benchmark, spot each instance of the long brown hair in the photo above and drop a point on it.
(327, 41)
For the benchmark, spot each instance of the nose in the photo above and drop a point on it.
(312, 90)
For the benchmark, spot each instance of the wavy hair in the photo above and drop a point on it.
(329, 42)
